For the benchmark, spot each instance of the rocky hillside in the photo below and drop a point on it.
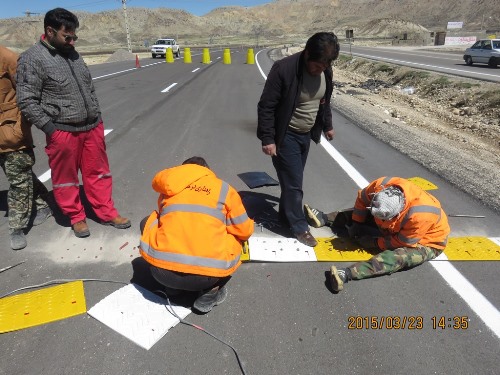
(278, 22)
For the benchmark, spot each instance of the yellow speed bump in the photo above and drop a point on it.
(423, 183)
(472, 248)
(42, 306)
(338, 249)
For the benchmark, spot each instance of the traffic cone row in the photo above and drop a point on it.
(169, 57)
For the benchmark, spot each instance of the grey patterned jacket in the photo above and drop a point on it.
(56, 91)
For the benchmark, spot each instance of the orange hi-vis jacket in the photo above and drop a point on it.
(422, 220)
(199, 226)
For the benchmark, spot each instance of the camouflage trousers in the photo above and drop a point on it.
(390, 261)
(27, 193)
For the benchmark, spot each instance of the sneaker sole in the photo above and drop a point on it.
(337, 283)
(221, 297)
(119, 226)
(82, 234)
(311, 218)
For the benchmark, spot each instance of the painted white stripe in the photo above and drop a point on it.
(344, 164)
(488, 313)
(423, 65)
(169, 87)
(258, 65)
(192, 71)
(45, 176)
(476, 301)
(112, 74)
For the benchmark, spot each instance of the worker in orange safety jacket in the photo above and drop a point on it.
(193, 241)
(395, 216)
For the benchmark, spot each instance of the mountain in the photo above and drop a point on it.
(278, 22)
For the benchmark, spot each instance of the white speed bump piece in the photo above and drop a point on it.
(273, 249)
(138, 314)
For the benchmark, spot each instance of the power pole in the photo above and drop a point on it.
(124, 3)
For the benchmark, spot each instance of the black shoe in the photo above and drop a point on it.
(307, 239)
(18, 239)
(338, 278)
(208, 300)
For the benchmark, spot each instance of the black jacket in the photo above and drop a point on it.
(280, 97)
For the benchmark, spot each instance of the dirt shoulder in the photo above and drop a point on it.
(449, 125)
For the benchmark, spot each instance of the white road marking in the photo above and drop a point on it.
(424, 65)
(192, 71)
(45, 176)
(483, 308)
(169, 87)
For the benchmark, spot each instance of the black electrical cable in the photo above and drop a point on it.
(201, 329)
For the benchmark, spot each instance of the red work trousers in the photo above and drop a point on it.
(70, 152)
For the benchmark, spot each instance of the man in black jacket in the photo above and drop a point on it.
(293, 109)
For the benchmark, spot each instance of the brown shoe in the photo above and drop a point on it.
(307, 239)
(81, 229)
(119, 222)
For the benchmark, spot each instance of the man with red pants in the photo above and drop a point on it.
(56, 94)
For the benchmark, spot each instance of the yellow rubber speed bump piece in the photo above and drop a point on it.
(339, 250)
(423, 183)
(245, 252)
(472, 248)
(42, 306)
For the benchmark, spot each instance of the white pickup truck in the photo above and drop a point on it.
(161, 45)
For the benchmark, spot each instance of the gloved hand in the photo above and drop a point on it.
(353, 230)
(367, 242)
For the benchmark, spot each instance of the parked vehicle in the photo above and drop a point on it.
(484, 51)
(161, 45)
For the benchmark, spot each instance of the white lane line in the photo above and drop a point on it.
(476, 301)
(484, 309)
(424, 65)
(45, 176)
(344, 164)
(192, 71)
(169, 87)
(112, 74)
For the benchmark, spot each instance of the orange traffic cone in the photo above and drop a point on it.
(137, 65)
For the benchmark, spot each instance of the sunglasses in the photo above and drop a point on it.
(67, 38)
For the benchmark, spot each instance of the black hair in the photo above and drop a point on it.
(196, 160)
(58, 17)
(323, 47)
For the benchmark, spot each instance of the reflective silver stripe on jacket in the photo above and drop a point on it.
(65, 185)
(189, 259)
(194, 208)
(104, 175)
(417, 209)
(237, 220)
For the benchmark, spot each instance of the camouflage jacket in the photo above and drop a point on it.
(56, 91)
(15, 133)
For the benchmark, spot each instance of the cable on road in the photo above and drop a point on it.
(172, 311)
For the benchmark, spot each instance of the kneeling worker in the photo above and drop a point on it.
(395, 216)
(194, 240)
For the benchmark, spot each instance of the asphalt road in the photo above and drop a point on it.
(427, 58)
(281, 318)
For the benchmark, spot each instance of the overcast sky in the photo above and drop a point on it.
(17, 8)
